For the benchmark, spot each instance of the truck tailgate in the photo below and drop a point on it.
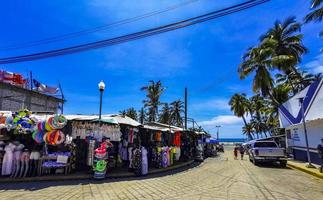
(270, 152)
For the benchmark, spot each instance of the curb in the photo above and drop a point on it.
(303, 169)
(90, 176)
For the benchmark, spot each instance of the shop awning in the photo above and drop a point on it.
(162, 127)
(111, 118)
(120, 119)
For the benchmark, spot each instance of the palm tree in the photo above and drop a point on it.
(248, 130)
(153, 93)
(287, 43)
(239, 106)
(123, 112)
(257, 60)
(165, 117)
(176, 111)
(317, 14)
(130, 112)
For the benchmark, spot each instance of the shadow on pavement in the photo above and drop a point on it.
(33, 186)
(271, 165)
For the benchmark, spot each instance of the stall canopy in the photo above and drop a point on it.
(161, 127)
(211, 141)
(120, 119)
(290, 113)
(111, 118)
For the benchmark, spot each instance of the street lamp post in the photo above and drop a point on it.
(217, 132)
(101, 89)
(301, 101)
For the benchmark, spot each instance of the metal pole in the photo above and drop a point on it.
(101, 93)
(217, 132)
(62, 96)
(31, 80)
(301, 100)
(185, 108)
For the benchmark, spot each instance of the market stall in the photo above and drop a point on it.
(31, 145)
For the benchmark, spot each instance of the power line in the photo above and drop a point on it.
(95, 29)
(136, 35)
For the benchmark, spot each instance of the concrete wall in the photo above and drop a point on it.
(297, 143)
(13, 98)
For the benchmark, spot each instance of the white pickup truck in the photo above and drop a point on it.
(267, 151)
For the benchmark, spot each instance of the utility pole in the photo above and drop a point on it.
(301, 101)
(217, 132)
(63, 98)
(185, 109)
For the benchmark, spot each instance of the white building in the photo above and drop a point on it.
(290, 117)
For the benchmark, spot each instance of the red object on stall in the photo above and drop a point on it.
(177, 138)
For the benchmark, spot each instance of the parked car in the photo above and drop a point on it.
(267, 151)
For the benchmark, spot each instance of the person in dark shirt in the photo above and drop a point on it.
(241, 150)
(320, 152)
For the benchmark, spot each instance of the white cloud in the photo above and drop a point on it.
(212, 104)
(316, 66)
(222, 120)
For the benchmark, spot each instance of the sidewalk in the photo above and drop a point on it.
(81, 176)
(299, 165)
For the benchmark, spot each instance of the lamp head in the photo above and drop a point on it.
(101, 86)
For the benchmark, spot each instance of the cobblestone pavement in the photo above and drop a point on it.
(216, 178)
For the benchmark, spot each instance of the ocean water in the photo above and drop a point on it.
(238, 140)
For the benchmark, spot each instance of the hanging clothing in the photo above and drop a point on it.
(164, 157)
(131, 136)
(177, 153)
(177, 139)
(158, 137)
(137, 161)
(7, 162)
(144, 166)
(172, 155)
(16, 160)
(130, 157)
(168, 155)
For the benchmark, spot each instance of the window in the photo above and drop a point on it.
(265, 144)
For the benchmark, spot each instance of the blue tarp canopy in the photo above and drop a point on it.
(211, 141)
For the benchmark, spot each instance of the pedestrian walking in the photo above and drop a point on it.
(320, 151)
(241, 150)
(235, 152)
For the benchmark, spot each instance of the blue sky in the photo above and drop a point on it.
(203, 57)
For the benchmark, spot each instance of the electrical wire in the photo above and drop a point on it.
(136, 35)
(95, 29)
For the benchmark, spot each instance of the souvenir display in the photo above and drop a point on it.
(101, 159)
(96, 130)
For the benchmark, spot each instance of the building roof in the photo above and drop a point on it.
(290, 113)
(31, 91)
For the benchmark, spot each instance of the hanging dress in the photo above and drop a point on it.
(7, 163)
(130, 157)
(137, 161)
(178, 153)
(168, 155)
(144, 168)
(164, 157)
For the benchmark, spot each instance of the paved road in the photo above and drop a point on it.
(216, 178)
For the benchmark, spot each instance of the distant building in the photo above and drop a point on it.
(290, 117)
(13, 98)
